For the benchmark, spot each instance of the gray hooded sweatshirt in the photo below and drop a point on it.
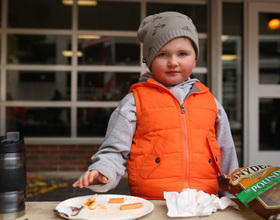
(113, 154)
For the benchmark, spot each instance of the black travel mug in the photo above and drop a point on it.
(12, 176)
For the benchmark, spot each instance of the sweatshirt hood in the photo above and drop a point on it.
(144, 77)
(180, 91)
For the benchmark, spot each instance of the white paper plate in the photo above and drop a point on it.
(106, 210)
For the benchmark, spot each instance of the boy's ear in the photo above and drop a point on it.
(194, 64)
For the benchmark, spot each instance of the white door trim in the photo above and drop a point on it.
(253, 90)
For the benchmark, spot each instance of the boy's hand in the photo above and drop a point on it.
(90, 178)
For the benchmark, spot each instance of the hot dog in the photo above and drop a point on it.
(131, 206)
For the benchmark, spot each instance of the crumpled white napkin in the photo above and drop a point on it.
(191, 202)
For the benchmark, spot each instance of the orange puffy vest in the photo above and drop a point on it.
(174, 146)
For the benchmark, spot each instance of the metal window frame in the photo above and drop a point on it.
(73, 68)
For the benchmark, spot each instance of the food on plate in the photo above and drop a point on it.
(116, 200)
(131, 206)
(102, 206)
(91, 203)
(257, 187)
(68, 211)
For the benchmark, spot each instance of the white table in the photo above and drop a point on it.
(44, 211)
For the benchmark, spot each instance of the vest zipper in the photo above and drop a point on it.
(185, 142)
(183, 110)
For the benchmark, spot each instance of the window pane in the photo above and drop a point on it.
(269, 132)
(103, 50)
(0, 13)
(198, 13)
(45, 85)
(110, 15)
(0, 48)
(93, 121)
(39, 14)
(232, 71)
(38, 49)
(108, 86)
(202, 59)
(39, 122)
(201, 77)
(269, 55)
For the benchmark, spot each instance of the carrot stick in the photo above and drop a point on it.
(131, 206)
(116, 200)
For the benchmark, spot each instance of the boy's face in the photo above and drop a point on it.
(174, 62)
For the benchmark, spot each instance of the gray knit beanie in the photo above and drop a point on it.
(158, 29)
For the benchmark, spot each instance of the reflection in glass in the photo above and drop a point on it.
(232, 79)
(39, 14)
(38, 49)
(104, 50)
(110, 15)
(232, 71)
(38, 122)
(108, 86)
(93, 121)
(269, 132)
(46, 85)
(202, 59)
(269, 53)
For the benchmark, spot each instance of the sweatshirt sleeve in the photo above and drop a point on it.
(229, 161)
(112, 156)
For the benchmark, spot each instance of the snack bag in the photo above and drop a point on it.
(257, 187)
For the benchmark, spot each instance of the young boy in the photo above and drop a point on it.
(169, 131)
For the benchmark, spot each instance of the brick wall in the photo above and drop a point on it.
(58, 158)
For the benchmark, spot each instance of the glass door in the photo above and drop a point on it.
(263, 85)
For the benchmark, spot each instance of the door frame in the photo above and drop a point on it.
(252, 89)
